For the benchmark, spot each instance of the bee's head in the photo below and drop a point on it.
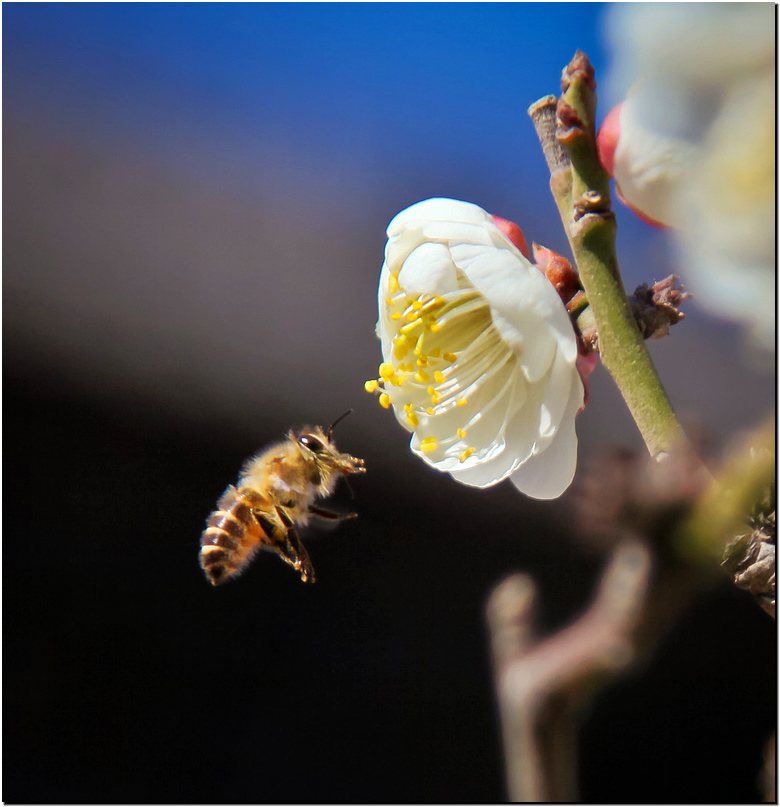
(319, 447)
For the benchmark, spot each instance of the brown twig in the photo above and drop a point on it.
(542, 684)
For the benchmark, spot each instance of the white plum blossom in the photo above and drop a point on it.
(480, 356)
(693, 144)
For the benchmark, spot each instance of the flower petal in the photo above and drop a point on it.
(428, 270)
(546, 475)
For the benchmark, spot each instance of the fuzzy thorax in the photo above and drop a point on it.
(299, 470)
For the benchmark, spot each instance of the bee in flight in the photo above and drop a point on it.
(276, 492)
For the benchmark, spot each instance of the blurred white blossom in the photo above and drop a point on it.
(695, 148)
(480, 356)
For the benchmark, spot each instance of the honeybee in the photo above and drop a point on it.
(276, 491)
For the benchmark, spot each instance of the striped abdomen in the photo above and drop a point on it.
(232, 534)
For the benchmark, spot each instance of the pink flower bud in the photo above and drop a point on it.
(513, 233)
(586, 364)
(607, 139)
(558, 271)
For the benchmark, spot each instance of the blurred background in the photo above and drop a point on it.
(195, 199)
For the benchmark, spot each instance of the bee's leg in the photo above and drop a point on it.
(291, 549)
(329, 515)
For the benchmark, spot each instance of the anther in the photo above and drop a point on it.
(428, 444)
(384, 400)
(450, 357)
(393, 300)
(386, 370)
(422, 376)
(466, 454)
(462, 433)
(438, 377)
(372, 385)
(412, 420)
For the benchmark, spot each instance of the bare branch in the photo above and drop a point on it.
(542, 684)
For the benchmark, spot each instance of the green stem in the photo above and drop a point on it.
(580, 187)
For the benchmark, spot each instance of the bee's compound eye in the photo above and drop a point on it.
(311, 442)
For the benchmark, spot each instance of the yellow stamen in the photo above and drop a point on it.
(422, 376)
(462, 433)
(419, 344)
(430, 411)
(422, 361)
(403, 340)
(428, 444)
(432, 304)
(434, 327)
(410, 326)
(462, 401)
(435, 352)
(384, 400)
(416, 305)
(399, 351)
(412, 420)
(396, 315)
(406, 367)
(450, 357)
(466, 454)
(408, 407)
(393, 285)
(438, 377)
(372, 385)
(394, 300)
(386, 370)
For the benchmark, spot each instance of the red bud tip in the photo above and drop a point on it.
(513, 233)
(586, 364)
(558, 271)
(607, 139)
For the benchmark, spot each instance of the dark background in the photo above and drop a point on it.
(194, 206)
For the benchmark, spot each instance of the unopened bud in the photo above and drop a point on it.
(558, 271)
(513, 233)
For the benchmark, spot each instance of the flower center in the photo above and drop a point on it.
(445, 347)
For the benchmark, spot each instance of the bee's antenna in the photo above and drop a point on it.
(338, 420)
